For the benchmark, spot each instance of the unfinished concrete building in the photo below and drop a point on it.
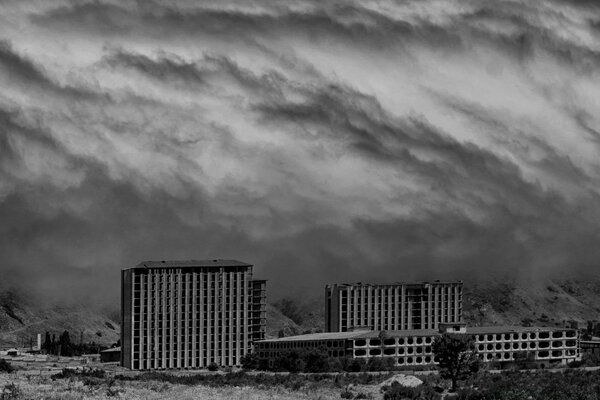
(190, 314)
(397, 306)
(501, 344)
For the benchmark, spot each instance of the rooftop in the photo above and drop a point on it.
(362, 334)
(475, 330)
(422, 283)
(190, 264)
(112, 350)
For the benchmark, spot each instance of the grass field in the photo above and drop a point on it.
(35, 387)
(45, 388)
(69, 384)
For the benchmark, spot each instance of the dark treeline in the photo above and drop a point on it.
(316, 361)
(63, 346)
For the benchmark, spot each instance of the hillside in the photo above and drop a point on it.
(277, 322)
(22, 318)
(552, 302)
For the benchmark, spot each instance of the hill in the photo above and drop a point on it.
(495, 301)
(277, 324)
(549, 302)
(22, 318)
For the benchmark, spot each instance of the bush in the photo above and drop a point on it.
(346, 394)
(357, 365)
(399, 392)
(66, 373)
(250, 361)
(213, 367)
(5, 366)
(375, 364)
(469, 394)
(11, 392)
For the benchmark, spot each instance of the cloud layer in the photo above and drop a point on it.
(321, 141)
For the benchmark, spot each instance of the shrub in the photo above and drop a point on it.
(213, 367)
(315, 360)
(346, 394)
(249, 361)
(375, 364)
(399, 392)
(66, 373)
(11, 392)
(469, 394)
(5, 366)
(356, 365)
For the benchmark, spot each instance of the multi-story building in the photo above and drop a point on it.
(502, 344)
(189, 314)
(398, 306)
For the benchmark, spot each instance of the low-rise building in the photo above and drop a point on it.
(503, 344)
(110, 355)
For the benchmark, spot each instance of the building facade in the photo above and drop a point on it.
(398, 306)
(501, 344)
(190, 314)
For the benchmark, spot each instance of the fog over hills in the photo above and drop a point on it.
(321, 141)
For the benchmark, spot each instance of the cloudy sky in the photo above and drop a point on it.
(322, 141)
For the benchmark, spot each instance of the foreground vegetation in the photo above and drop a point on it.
(570, 384)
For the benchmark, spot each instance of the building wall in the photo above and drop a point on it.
(258, 317)
(190, 317)
(560, 346)
(551, 346)
(392, 307)
(126, 318)
(268, 351)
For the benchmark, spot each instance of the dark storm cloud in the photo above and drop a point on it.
(344, 22)
(166, 68)
(21, 68)
(320, 141)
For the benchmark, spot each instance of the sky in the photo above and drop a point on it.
(321, 141)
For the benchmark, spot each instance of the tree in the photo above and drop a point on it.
(5, 366)
(456, 356)
(315, 360)
(64, 341)
(213, 367)
(47, 346)
(289, 360)
(249, 361)
(54, 345)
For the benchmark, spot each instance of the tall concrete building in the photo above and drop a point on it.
(189, 314)
(398, 306)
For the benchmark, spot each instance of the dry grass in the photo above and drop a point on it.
(65, 389)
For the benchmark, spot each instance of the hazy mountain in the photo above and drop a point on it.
(549, 302)
(505, 301)
(22, 318)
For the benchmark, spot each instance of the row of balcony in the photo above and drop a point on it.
(526, 336)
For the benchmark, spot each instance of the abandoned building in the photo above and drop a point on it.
(190, 314)
(398, 306)
(399, 322)
(503, 344)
